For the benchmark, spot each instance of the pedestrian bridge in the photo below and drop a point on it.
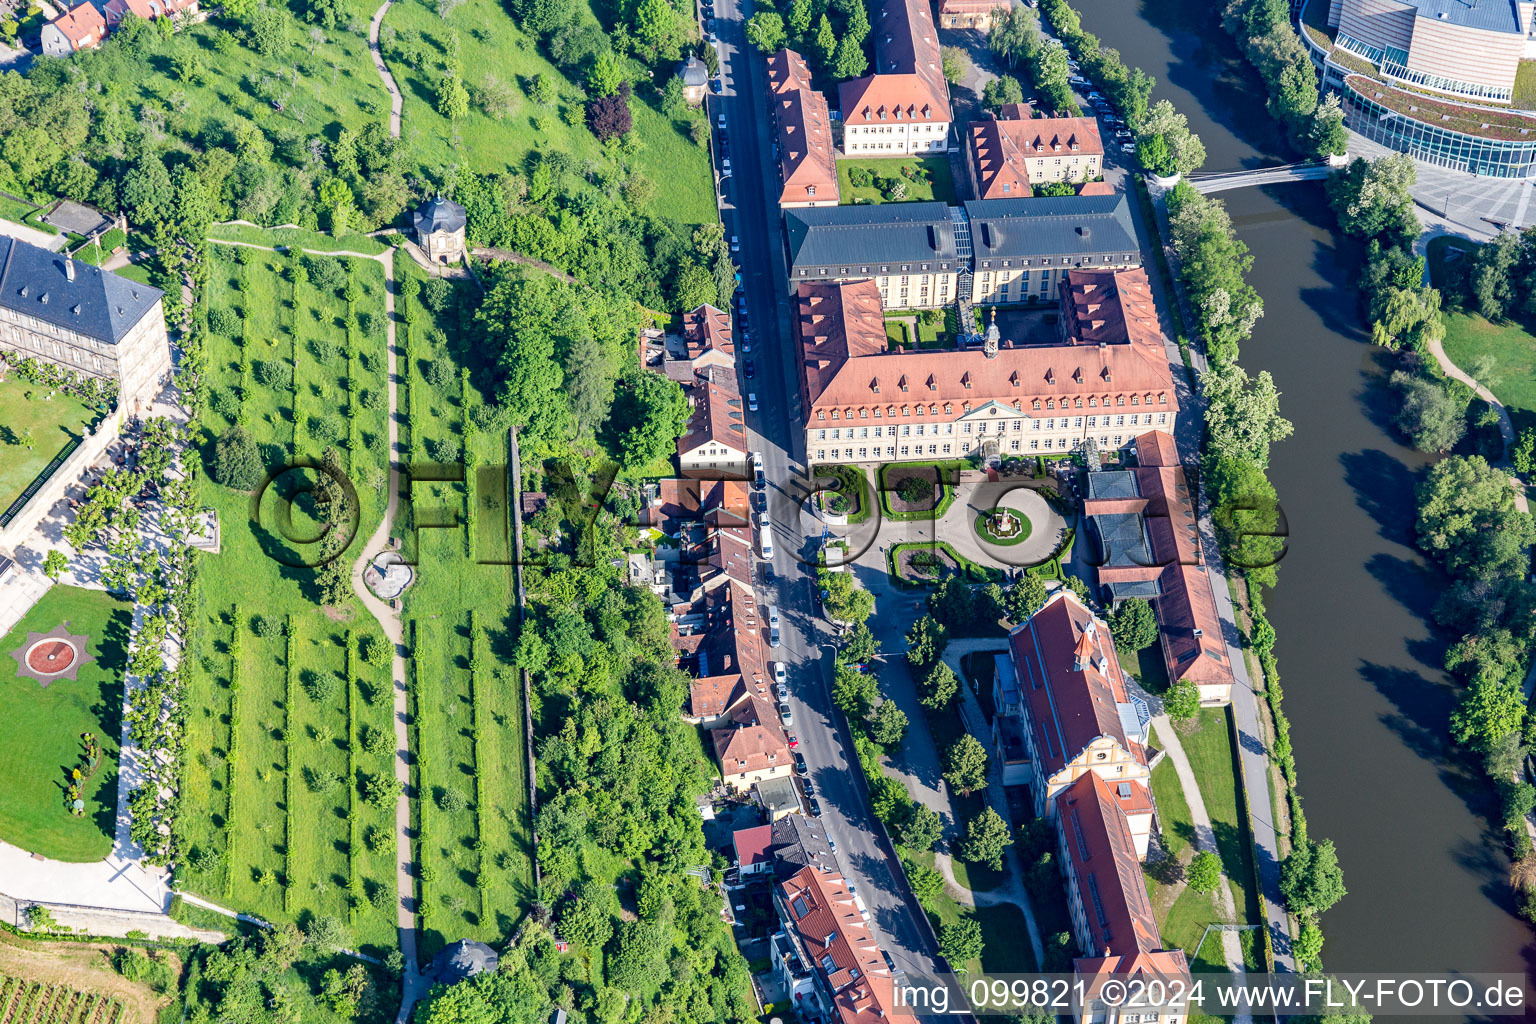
(1208, 183)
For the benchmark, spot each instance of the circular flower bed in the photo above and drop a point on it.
(1002, 526)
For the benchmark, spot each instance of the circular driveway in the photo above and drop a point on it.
(958, 526)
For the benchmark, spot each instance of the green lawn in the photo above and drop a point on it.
(316, 240)
(52, 421)
(1207, 744)
(939, 185)
(268, 792)
(40, 733)
(1525, 85)
(493, 46)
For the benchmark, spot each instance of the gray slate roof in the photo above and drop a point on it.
(1122, 539)
(1051, 226)
(463, 959)
(1114, 484)
(1147, 590)
(1487, 15)
(799, 841)
(438, 214)
(97, 303)
(693, 72)
(824, 236)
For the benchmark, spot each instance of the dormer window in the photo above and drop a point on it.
(966, 381)
(933, 385)
(810, 190)
(874, 385)
(902, 383)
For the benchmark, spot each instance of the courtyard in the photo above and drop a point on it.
(35, 423)
(924, 178)
(49, 710)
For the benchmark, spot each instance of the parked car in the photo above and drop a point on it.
(780, 673)
(800, 763)
(725, 167)
(814, 807)
(773, 625)
(720, 120)
(889, 963)
(810, 790)
(832, 844)
(757, 467)
(793, 740)
(749, 369)
(752, 401)
(765, 539)
(735, 243)
(782, 691)
(785, 713)
(746, 341)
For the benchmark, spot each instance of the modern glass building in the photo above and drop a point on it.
(1494, 158)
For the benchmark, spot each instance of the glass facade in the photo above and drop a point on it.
(1493, 158)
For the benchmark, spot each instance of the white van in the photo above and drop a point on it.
(773, 625)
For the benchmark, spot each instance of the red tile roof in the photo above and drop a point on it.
(999, 149)
(146, 9)
(909, 75)
(752, 845)
(752, 740)
(838, 944)
(717, 411)
(686, 500)
(1070, 677)
(1166, 964)
(1113, 307)
(1103, 867)
(844, 364)
(973, 6)
(83, 26)
(708, 329)
(724, 652)
(1096, 188)
(807, 166)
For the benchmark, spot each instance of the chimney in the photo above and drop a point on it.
(69, 268)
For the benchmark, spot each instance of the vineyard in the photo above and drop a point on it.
(31, 1002)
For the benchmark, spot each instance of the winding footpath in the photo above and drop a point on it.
(395, 99)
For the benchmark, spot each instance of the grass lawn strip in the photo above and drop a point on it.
(53, 422)
(40, 735)
(940, 186)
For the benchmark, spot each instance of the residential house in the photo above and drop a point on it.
(1143, 525)
(723, 652)
(1024, 247)
(829, 938)
(754, 850)
(83, 319)
(79, 28)
(148, 10)
(715, 443)
(864, 403)
(903, 108)
(907, 249)
(1076, 714)
(778, 797)
(750, 744)
(973, 14)
(1107, 900)
(803, 128)
(708, 339)
(1006, 158)
(801, 842)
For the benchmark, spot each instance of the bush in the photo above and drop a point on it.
(225, 402)
(236, 462)
(440, 373)
(323, 349)
(325, 430)
(267, 626)
(276, 374)
(322, 687)
(225, 321)
(915, 489)
(447, 449)
(326, 272)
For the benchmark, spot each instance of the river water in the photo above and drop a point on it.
(1359, 657)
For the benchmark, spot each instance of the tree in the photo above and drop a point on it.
(926, 640)
(1308, 949)
(1468, 519)
(236, 461)
(927, 884)
(1523, 454)
(1204, 872)
(1310, 878)
(765, 30)
(1134, 627)
(922, 828)
(1246, 512)
(890, 724)
(607, 74)
(656, 413)
(1051, 74)
(452, 96)
(826, 41)
(1001, 91)
(859, 645)
(799, 20)
(491, 997)
(854, 692)
(1431, 414)
(268, 28)
(1015, 36)
(1372, 199)
(845, 600)
(1242, 417)
(1328, 135)
(1490, 711)
(1184, 146)
(336, 198)
(986, 837)
(938, 687)
(658, 30)
(956, 63)
(609, 117)
(849, 61)
(965, 765)
(1021, 600)
(960, 942)
(54, 564)
(1153, 154)
(1182, 701)
(1406, 314)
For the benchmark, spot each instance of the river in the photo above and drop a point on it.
(1359, 657)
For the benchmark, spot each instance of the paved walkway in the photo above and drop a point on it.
(395, 99)
(1204, 838)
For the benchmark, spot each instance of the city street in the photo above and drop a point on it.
(750, 212)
